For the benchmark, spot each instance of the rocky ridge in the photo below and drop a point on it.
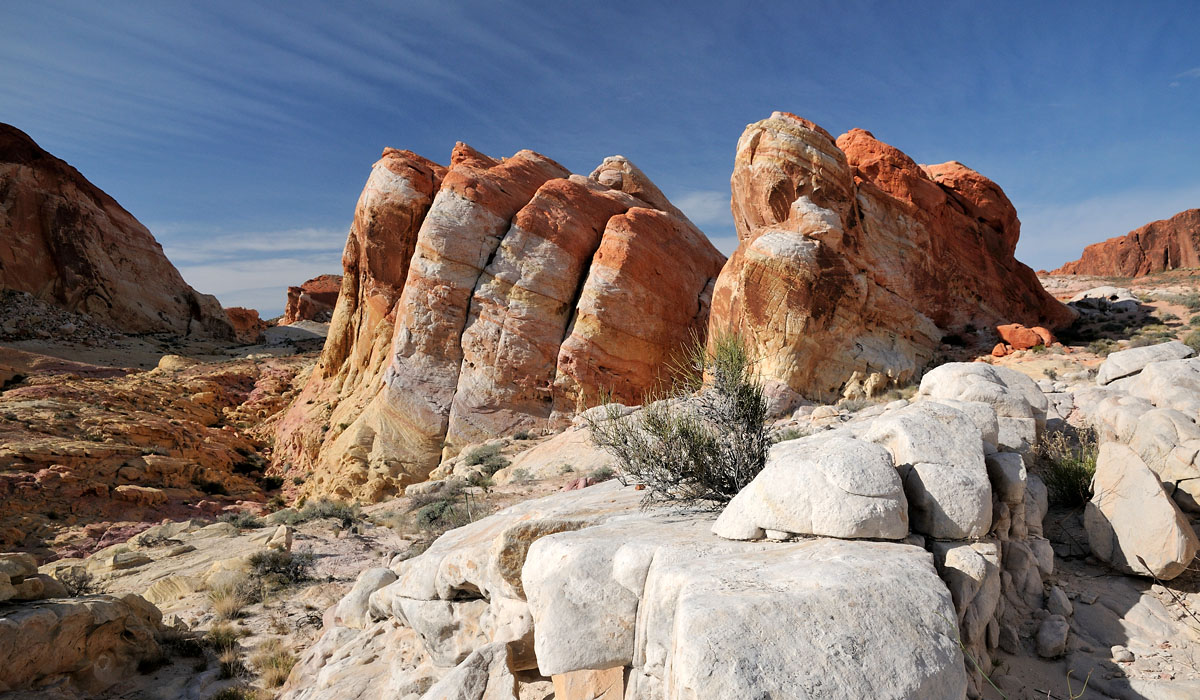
(70, 244)
(312, 301)
(1158, 246)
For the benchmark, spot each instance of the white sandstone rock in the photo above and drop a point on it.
(835, 486)
(1131, 516)
(1124, 363)
(1020, 406)
(352, 610)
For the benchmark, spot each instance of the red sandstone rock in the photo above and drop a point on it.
(528, 291)
(1160, 245)
(247, 326)
(312, 301)
(1019, 337)
(69, 243)
(854, 261)
(1001, 350)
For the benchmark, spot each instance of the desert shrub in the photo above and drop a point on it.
(701, 450)
(853, 405)
(211, 488)
(522, 476)
(1102, 347)
(228, 599)
(566, 468)
(487, 458)
(281, 568)
(240, 692)
(522, 435)
(443, 514)
(789, 434)
(1192, 340)
(1141, 342)
(602, 474)
(347, 513)
(241, 520)
(1167, 316)
(270, 483)
(221, 637)
(78, 581)
(480, 481)
(273, 662)
(1068, 463)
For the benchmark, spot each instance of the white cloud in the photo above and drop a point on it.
(1052, 234)
(1192, 73)
(184, 244)
(705, 208)
(258, 284)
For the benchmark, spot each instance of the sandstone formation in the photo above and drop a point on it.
(69, 243)
(247, 326)
(601, 594)
(1161, 245)
(312, 301)
(487, 298)
(853, 261)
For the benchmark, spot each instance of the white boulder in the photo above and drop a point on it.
(1124, 363)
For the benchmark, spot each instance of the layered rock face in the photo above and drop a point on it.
(1161, 245)
(69, 243)
(489, 297)
(247, 326)
(854, 261)
(312, 301)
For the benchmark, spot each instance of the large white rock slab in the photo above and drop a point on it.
(1171, 384)
(836, 486)
(939, 451)
(1124, 363)
(1019, 404)
(1131, 516)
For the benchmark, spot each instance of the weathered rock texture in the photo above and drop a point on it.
(854, 261)
(312, 301)
(69, 243)
(247, 326)
(1166, 244)
(491, 297)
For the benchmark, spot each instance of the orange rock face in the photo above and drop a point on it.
(1160, 245)
(312, 301)
(527, 291)
(247, 326)
(854, 261)
(70, 244)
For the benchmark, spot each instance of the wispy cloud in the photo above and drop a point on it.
(259, 284)
(1192, 73)
(185, 245)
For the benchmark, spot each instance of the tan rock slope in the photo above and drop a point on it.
(854, 261)
(1167, 244)
(490, 297)
(312, 301)
(69, 243)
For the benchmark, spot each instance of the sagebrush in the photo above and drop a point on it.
(1068, 463)
(702, 440)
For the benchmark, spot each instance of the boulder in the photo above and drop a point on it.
(1019, 404)
(81, 645)
(823, 283)
(1169, 443)
(1168, 384)
(1052, 636)
(1131, 519)
(835, 486)
(70, 244)
(1161, 245)
(1124, 363)
(248, 328)
(939, 452)
(1019, 337)
(587, 684)
(352, 610)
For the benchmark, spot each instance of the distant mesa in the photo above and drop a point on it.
(1167, 244)
(70, 244)
(312, 301)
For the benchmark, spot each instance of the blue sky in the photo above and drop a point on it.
(241, 133)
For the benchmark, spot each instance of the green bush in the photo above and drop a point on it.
(1192, 340)
(347, 513)
(241, 520)
(487, 458)
(1068, 463)
(280, 567)
(705, 439)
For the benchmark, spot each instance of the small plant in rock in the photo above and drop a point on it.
(273, 662)
(703, 440)
(602, 474)
(211, 488)
(522, 476)
(566, 469)
(281, 568)
(347, 513)
(241, 520)
(1102, 347)
(228, 599)
(78, 581)
(1192, 340)
(487, 458)
(522, 435)
(789, 434)
(853, 405)
(1068, 463)
(270, 483)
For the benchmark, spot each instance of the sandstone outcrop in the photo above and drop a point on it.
(69, 243)
(247, 326)
(488, 298)
(853, 261)
(1161, 245)
(312, 301)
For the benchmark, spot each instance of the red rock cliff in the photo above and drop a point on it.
(69, 243)
(1167, 244)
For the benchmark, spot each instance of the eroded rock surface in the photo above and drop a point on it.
(1167, 244)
